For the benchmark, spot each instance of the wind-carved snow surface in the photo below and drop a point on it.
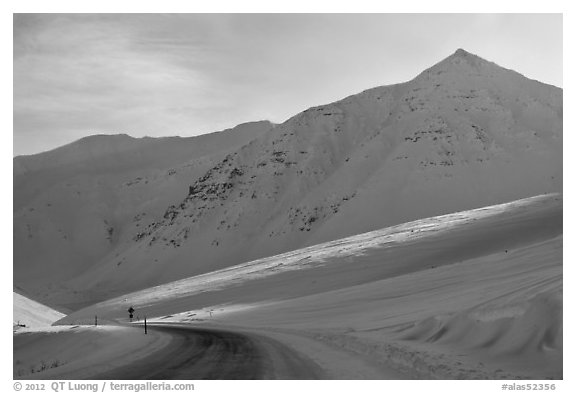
(330, 253)
(79, 352)
(475, 294)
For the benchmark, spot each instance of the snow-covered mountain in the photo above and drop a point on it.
(110, 215)
(75, 205)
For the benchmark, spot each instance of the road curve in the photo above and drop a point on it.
(205, 353)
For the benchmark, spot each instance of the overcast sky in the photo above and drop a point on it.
(187, 74)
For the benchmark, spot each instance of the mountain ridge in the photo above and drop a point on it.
(465, 133)
(107, 141)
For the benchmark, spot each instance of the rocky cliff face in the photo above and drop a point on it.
(463, 134)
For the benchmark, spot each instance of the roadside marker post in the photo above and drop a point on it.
(145, 326)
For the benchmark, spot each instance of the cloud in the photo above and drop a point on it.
(87, 73)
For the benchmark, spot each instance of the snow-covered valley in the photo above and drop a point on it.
(409, 231)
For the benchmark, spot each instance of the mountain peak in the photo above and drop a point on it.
(463, 56)
(461, 61)
(461, 53)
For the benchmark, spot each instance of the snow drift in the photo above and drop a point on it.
(474, 294)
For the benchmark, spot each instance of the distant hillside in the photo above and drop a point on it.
(73, 205)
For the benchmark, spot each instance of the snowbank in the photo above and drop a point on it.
(80, 352)
(476, 294)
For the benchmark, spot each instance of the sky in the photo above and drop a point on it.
(76, 75)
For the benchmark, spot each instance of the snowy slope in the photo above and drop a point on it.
(33, 314)
(77, 204)
(79, 352)
(383, 254)
(474, 294)
(463, 134)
